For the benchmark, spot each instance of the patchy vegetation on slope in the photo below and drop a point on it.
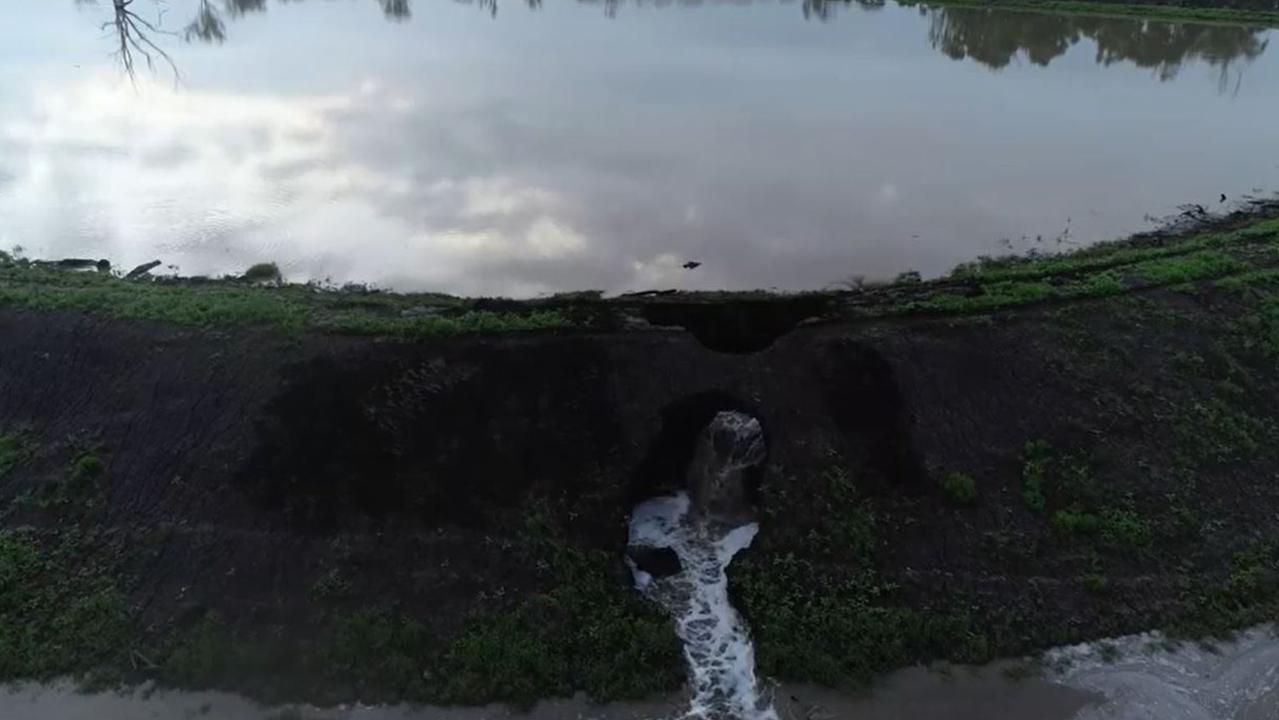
(819, 609)
(250, 302)
(1102, 271)
(11, 451)
(55, 618)
(1092, 453)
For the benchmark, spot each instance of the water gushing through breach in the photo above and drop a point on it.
(705, 528)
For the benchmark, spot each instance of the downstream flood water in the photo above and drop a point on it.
(484, 148)
(1132, 678)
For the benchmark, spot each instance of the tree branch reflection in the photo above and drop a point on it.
(207, 25)
(131, 32)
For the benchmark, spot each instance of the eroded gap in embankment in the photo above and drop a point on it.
(740, 326)
(679, 546)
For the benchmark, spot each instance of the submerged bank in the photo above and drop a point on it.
(1026, 454)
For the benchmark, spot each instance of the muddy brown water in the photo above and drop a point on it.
(916, 694)
(494, 148)
(1140, 677)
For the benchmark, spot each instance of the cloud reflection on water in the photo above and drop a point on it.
(567, 150)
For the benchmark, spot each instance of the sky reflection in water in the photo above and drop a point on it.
(519, 151)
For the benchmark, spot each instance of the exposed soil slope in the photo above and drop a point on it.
(1023, 455)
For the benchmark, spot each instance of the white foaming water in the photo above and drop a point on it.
(1142, 679)
(717, 643)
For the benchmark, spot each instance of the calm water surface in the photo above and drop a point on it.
(482, 149)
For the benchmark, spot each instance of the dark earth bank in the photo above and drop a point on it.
(1030, 455)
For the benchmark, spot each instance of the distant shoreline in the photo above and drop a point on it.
(1196, 246)
(1260, 12)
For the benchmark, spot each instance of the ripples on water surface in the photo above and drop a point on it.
(1237, 680)
(514, 150)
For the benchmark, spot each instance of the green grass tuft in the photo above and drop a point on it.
(589, 632)
(1095, 582)
(211, 655)
(80, 488)
(12, 450)
(55, 619)
(1187, 268)
(1248, 595)
(1115, 528)
(1035, 459)
(959, 488)
(813, 626)
(264, 272)
(1259, 328)
(378, 650)
(1214, 430)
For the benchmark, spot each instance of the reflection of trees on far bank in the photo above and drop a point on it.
(997, 38)
(825, 9)
(209, 23)
(992, 37)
